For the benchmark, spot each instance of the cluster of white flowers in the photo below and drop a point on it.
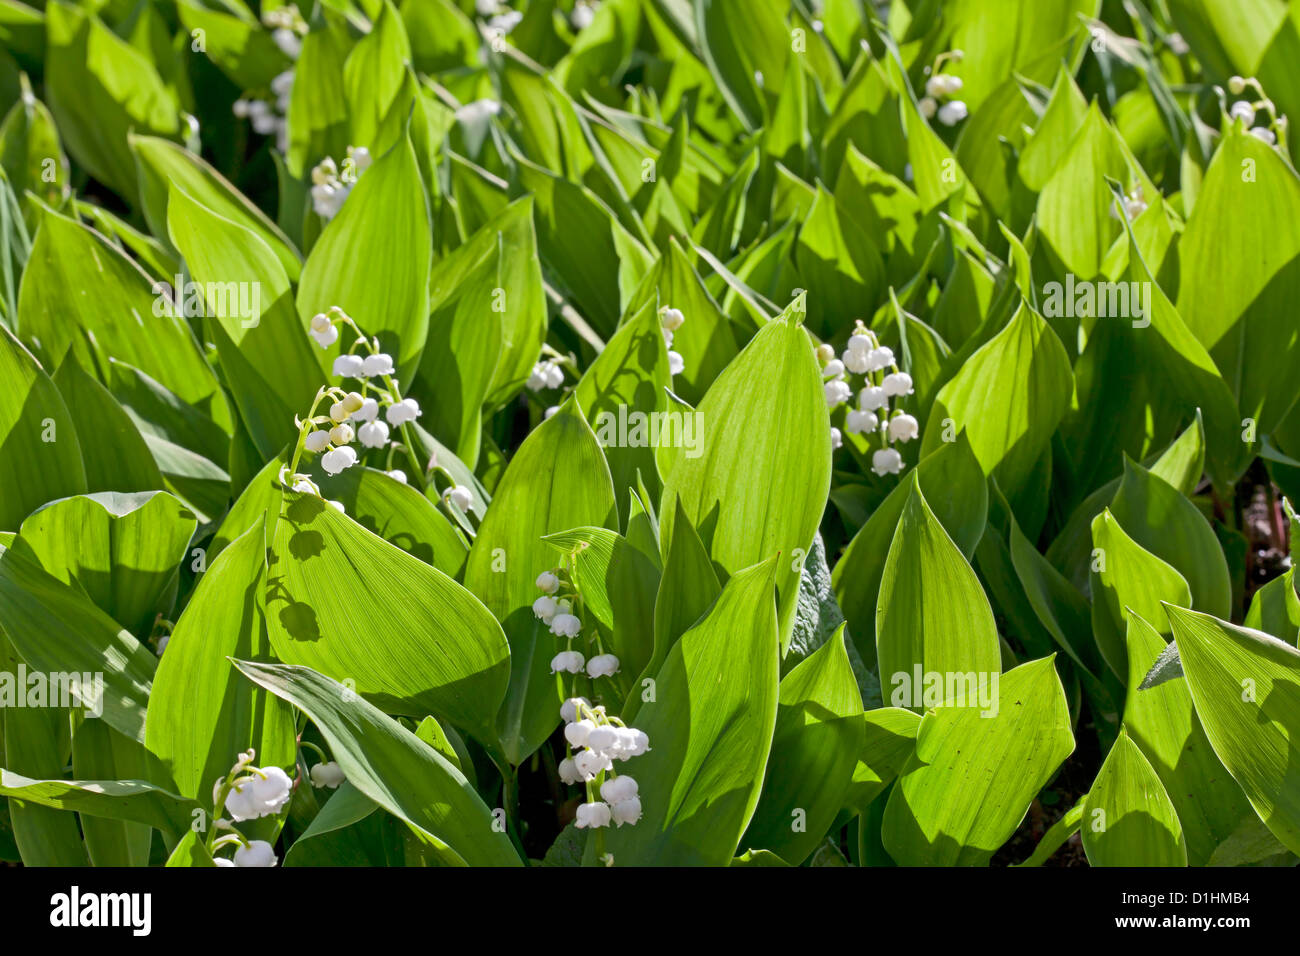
(940, 89)
(500, 18)
(287, 29)
(670, 320)
(1248, 111)
(600, 740)
(331, 186)
(270, 117)
(882, 382)
(247, 793)
(353, 416)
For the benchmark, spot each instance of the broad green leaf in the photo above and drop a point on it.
(101, 753)
(1128, 819)
(888, 741)
(58, 631)
(815, 748)
(557, 480)
(343, 600)
(1161, 721)
(760, 485)
(700, 779)
(954, 487)
(122, 551)
(967, 787)
(393, 767)
(1246, 689)
(932, 616)
(113, 452)
(373, 261)
(201, 715)
(135, 800)
(42, 457)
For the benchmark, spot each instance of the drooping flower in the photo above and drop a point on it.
(368, 411)
(262, 793)
(872, 398)
(952, 113)
(903, 428)
(676, 364)
(316, 441)
(833, 369)
(399, 413)
(338, 459)
(886, 461)
(323, 330)
(397, 475)
(328, 775)
(897, 383)
(860, 422)
(837, 392)
(342, 434)
(1243, 111)
(566, 625)
(617, 789)
(381, 363)
(256, 853)
(880, 358)
(548, 582)
(570, 708)
(461, 498)
(349, 366)
(544, 609)
(627, 811)
(569, 662)
(373, 434)
(602, 665)
(837, 439)
(569, 772)
(592, 815)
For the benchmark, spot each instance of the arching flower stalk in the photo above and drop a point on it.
(883, 385)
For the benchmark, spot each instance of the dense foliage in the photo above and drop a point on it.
(649, 432)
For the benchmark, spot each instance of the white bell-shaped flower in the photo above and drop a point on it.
(399, 413)
(338, 459)
(569, 771)
(1264, 135)
(368, 411)
(627, 811)
(859, 343)
(461, 498)
(860, 422)
(833, 369)
(316, 441)
(1243, 111)
(886, 461)
(837, 439)
(548, 582)
(591, 762)
(880, 358)
(325, 337)
(602, 665)
(903, 428)
(603, 739)
(381, 363)
(348, 366)
(837, 392)
(617, 789)
(897, 383)
(576, 732)
(953, 112)
(676, 364)
(328, 775)
(570, 709)
(857, 362)
(342, 434)
(570, 662)
(592, 815)
(257, 853)
(634, 742)
(544, 608)
(672, 319)
(872, 397)
(373, 434)
(566, 625)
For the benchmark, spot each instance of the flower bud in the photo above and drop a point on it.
(1243, 111)
(671, 319)
(548, 582)
(825, 352)
(927, 105)
(397, 475)
(257, 853)
(461, 498)
(342, 434)
(1236, 85)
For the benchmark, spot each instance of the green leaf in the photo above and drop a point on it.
(889, 739)
(1161, 721)
(57, 630)
(967, 787)
(955, 489)
(393, 767)
(201, 715)
(1128, 819)
(759, 487)
(700, 779)
(135, 800)
(113, 452)
(1246, 688)
(932, 615)
(32, 469)
(121, 551)
(343, 600)
(557, 480)
(815, 749)
(373, 261)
